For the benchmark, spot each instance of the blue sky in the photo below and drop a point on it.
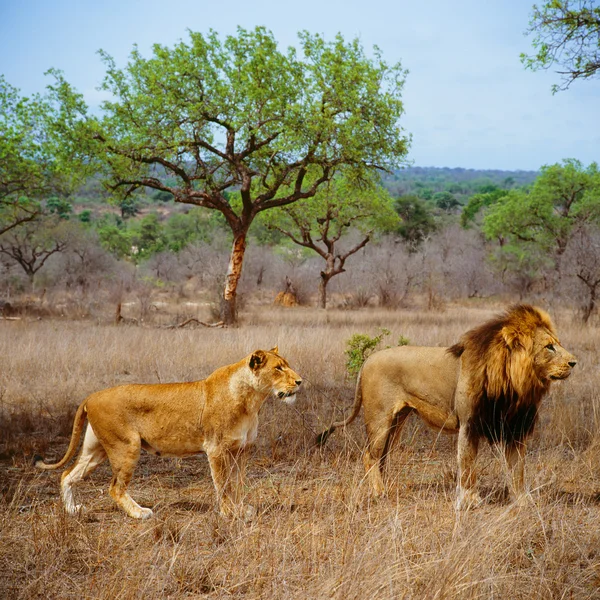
(469, 102)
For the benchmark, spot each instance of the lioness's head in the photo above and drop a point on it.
(274, 372)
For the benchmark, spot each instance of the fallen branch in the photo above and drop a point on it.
(196, 321)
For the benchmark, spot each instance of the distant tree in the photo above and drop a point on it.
(30, 169)
(478, 202)
(584, 255)
(129, 207)
(192, 227)
(335, 211)
(31, 244)
(564, 198)
(567, 35)
(148, 237)
(445, 201)
(242, 115)
(418, 221)
(115, 237)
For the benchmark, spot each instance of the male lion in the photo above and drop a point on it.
(488, 385)
(217, 415)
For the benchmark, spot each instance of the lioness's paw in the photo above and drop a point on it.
(145, 513)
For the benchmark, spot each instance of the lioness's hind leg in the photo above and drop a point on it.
(123, 460)
(92, 454)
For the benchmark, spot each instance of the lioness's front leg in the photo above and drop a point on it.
(224, 474)
(515, 460)
(466, 494)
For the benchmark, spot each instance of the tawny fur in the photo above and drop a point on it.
(217, 416)
(489, 385)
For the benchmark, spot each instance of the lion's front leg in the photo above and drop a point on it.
(466, 494)
(515, 461)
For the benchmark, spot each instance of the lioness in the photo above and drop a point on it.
(217, 415)
(488, 385)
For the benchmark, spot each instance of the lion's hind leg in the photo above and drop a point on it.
(381, 437)
(123, 459)
(92, 455)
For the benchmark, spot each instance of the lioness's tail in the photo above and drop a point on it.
(75, 437)
(322, 437)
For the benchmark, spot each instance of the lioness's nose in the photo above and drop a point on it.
(298, 382)
(572, 363)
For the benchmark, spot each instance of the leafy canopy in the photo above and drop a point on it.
(563, 198)
(567, 34)
(209, 116)
(31, 166)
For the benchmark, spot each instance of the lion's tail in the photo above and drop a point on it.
(75, 437)
(322, 437)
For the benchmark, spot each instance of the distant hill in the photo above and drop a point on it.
(463, 183)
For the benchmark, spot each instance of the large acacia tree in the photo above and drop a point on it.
(240, 127)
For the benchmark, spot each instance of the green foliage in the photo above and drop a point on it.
(478, 202)
(360, 346)
(115, 238)
(129, 207)
(540, 222)
(242, 114)
(566, 36)
(85, 216)
(342, 205)
(59, 206)
(445, 201)
(425, 182)
(418, 220)
(358, 349)
(32, 167)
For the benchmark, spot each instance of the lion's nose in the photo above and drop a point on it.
(572, 363)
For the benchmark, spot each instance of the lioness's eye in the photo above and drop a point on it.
(279, 368)
(550, 347)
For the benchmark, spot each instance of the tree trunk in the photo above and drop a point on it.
(234, 271)
(323, 290)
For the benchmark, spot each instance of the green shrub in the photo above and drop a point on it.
(360, 346)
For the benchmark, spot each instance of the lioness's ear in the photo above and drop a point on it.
(257, 360)
(275, 350)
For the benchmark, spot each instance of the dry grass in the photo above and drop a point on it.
(316, 534)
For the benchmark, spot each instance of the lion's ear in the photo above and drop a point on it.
(257, 360)
(275, 350)
(512, 337)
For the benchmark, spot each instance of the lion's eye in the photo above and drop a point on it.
(551, 347)
(279, 368)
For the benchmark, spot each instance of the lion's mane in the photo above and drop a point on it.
(503, 384)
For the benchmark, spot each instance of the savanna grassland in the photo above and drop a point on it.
(316, 533)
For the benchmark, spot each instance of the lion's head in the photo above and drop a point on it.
(511, 362)
(274, 373)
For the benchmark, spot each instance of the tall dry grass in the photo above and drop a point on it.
(317, 534)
